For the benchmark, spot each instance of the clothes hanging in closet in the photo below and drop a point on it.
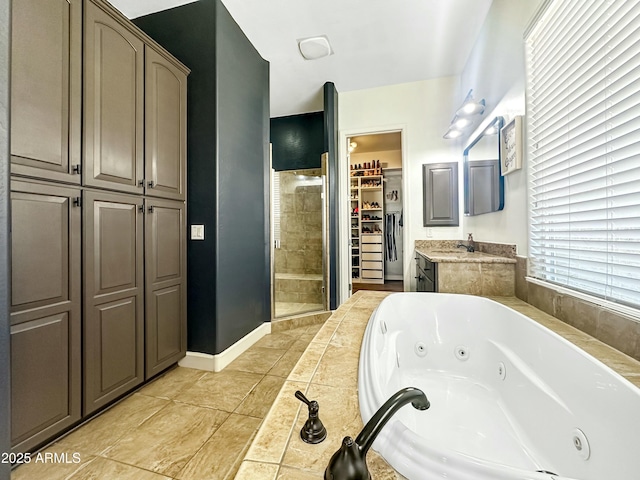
(392, 225)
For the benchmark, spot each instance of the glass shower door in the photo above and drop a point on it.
(297, 223)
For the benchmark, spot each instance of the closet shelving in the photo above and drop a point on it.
(354, 193)
(367, 226)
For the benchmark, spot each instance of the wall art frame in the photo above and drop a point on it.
(511, 146)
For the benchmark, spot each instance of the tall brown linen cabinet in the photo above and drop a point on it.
(98, 163)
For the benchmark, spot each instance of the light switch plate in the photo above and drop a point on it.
(197, 232)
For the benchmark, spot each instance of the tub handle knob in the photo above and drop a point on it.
(313, 430)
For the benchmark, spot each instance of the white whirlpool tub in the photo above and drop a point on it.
(509, 397)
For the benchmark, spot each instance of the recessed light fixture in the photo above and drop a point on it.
(313, 48)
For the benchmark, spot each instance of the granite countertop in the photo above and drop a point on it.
(328, 372)
(446, 251)
(461, 256)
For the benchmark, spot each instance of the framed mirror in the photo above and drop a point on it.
(483, 182)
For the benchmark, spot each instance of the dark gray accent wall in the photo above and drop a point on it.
(242, 80)
(331, 147)
(297, 141)
(228, 278)
(5, 358)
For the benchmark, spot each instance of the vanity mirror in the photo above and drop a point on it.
(483, 183)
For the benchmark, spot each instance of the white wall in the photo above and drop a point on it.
(422, 111)
(496, 72)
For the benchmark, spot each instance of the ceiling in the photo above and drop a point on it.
(385, 43)
(379, 142)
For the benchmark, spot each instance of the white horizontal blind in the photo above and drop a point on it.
(583, 137)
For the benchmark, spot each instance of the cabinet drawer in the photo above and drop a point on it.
(372, 247)
(371, 238)
(372, 265)
(371, 273)
(372, 256)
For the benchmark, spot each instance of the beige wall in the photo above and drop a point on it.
(388, 158)
(422, 111)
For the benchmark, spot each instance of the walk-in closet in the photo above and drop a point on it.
(376, 213)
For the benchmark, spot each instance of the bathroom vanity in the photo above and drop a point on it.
(443, 267)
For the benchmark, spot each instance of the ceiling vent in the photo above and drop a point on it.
(313, 48)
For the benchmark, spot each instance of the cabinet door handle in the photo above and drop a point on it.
(151, 184)
(141, 208)
(141, 183)
(150, 209)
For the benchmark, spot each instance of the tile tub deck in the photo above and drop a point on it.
(327, 372)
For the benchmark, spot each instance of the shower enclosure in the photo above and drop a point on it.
(299, 232)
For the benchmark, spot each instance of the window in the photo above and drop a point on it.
(583, 137)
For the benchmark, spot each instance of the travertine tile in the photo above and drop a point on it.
(270, 443)
(275, 340)
(339, 367)
(224, 390)
(582, 315)
(260, 399)
(101, 468)
(326, 332)
(51, 471)
(289, 473)
(257, 360)
(349, 334)
(460, 278)
(340, 414)
(306, 366)
(106, 429)
(521, 281)
(223, 451)
(170, 384)
(283, 367)
(358, 314)
(299, 346)
(380, 469)
(542, 298)
(498, 279)
(619, 331)
(257, 471)
(167, 441)
(618, 361)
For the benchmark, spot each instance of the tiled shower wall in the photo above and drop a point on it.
(615, 329)
(300, 252)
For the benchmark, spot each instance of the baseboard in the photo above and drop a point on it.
(393, 276)
(215, 363)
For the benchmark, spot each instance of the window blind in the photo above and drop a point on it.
(583, 142)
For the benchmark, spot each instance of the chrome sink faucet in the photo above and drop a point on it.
(470, 246)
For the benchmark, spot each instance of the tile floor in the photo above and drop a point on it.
(186, 425)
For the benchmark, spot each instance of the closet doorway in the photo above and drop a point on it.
(376, 211)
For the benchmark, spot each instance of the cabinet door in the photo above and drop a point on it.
(165, 257)
(113, 289)
(45, 312)
(113, 103)
(165, 127)
(46, 88)
(440, 194)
